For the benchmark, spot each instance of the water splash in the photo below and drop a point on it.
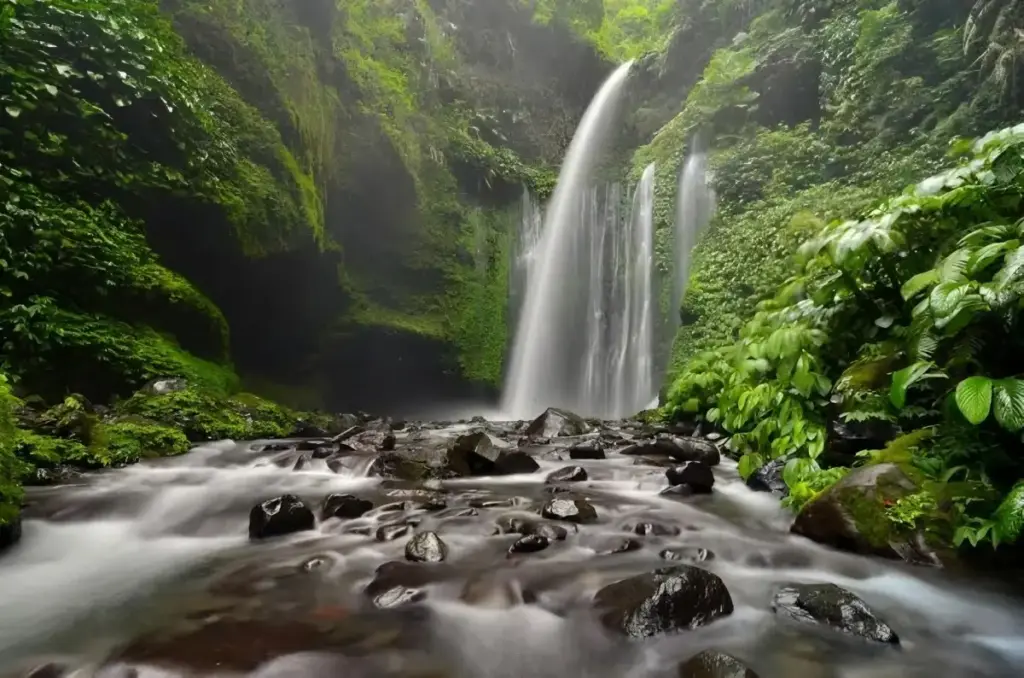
(545, 356)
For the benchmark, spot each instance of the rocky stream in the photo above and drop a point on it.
(477, 549)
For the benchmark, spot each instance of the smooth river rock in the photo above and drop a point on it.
(279, 516)
(832, 606)
(571, 510)
(530, 544)
(694, 475)
(426, 547)
(344, 506)
(670, 599)
(569, 474)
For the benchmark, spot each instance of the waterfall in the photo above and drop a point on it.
(696, 205)
(524, 252)
(547, 352)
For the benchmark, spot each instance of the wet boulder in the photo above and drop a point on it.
(426, 547)
(851, 516)
(571, 510)
(511, 463)
(529, 544)
(768, 478)
(345, 506)
(666, 600)
(557, 423)
(845, 439)
(714, 664)
(10, 533)
(679, 449)
(279, 516)
(832, 606)
(692, 474)
(569, 474)
(374, 440)
(588, 449)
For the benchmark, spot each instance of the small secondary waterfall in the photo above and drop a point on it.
(695, 207)
(523, 255)
(547, 358)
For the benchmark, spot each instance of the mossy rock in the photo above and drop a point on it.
(851, 516)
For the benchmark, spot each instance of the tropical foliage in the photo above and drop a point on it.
(910, 316)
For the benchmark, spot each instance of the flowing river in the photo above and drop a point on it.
(149, 571)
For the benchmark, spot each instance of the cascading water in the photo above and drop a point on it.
(548, 354)
(524, 253)
(695, 207)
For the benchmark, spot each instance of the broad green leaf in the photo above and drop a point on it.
(981, 259)
(919, 282)
(905, 378)
(974, 398)
(954, 266)
(1008, 403)
(748, 464)
(946, 296)
(1012, 268)
(1008, 520)
(798, 470)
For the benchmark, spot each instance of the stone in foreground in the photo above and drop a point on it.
(832, 606)
(279, 516)
(556, 423)
(671, 599)
(693, 474)
(426, 547)
(571, 510)
(714, 664)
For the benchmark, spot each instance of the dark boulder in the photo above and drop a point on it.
(687, 555)
(679, 449)
(571, 510)
(556, 423)
(374, 440)
(768, 478)
(671, 599)
(10, 533)
(510, 463)
(279, 516)
(588, 449)
(569, 474)
(344, 506)
(832, 606)
(851, 516)
(529, 544)
(426, 547)
(693, 474)
(714, 664)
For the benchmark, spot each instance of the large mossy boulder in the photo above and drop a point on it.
(851, 516)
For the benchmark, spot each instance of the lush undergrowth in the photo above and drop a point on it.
(906, 318)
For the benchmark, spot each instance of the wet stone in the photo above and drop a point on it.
(686, 555)
(654, 530)
(768, 478)
(569, 474)
(393, 531)
(529, 544)
(345, 506)
(587, 450)
(714, 664)
(556, 423)
(426, 547)
(571, 510)
(399, 596)
(279, 516)
(671, 599)
(830, 605)
(511, 463)
(692, 474)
